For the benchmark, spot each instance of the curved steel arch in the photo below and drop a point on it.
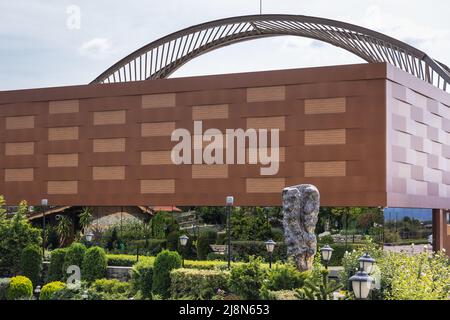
(162, 57)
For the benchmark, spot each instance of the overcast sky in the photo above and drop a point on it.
(39, 46)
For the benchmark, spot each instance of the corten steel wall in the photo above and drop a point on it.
(110, 144)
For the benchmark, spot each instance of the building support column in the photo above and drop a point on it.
(439, 229)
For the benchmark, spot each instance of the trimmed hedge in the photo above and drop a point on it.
(197, 284)
(126, 260)
(55, 269)
(94, 264)
(31, 264)
(20, 288)
(242, 250)
(164, 263)
(49, 289)
(74, 256)
(339, 251)
(4, 284)
(205, 239)
(142, 277)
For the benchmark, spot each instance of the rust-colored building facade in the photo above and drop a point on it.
(365, 135)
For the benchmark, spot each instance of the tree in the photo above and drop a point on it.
(250, 223)
(16, 233)
(86, 218)
(64, 228)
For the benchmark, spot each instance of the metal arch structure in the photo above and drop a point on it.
(162, 57)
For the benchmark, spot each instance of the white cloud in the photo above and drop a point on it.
(97, 48)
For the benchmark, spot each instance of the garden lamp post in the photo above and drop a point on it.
(37, 292)
(361, 284)
(89, 237)
(326, 251)
(44, 204)
(183, 241)
(270, 245)
(366, 263)
(229, 204)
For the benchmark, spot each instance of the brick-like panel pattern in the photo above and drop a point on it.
(21, 122)
(19, 148)
(266, 123)
(276, 93)
(329, 105)
(158, 186)
(324, 137)
(158, 100)
(109, 145)
(265, 185)
(109, 117)
(63, 160)
(210, 112)
(62, 187)
(204, 171)
(65, 106)
(156, 157)
(325, 169)
(19, 174)
(63, 133)
(108, 173)
(157, 129)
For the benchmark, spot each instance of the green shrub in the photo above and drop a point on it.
(280, 295)
(339, 251)
(162, 224)
(243, 250)
(74, 256)
(49, 289)
(246, 279)
(197, 284)
(213, 256)
(205, 239)
(4, 284)
(142, 277)
(424, 276)
(172, 241)
(164, 263)
(126, 260)
(55, 269)
(221, 237)
(284, 277)
(110, 289)
(16, 233)
(31, 263)
(94, 264)
(20, 288)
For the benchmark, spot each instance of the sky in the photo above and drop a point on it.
(57, 42)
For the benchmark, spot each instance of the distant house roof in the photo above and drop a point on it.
(149, 210)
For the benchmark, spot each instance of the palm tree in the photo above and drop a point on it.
(63, 228)
(86, 218)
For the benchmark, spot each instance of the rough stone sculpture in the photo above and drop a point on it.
(300, 213)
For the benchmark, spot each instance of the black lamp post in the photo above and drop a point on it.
(326, 251)
(366, 263)
(37, 292)
(44, 204)
(183, 241)
(361, 284)
(362, 281)
(229, 204)
(89, 237)
(270, 245)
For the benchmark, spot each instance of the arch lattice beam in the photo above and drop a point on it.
(162, 57)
